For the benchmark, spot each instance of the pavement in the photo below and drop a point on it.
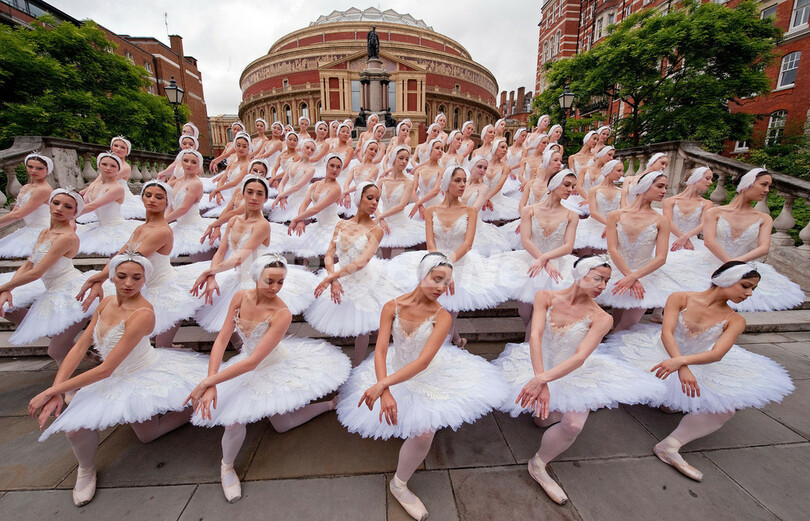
(755, 467)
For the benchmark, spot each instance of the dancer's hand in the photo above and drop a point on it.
(212, 233)
(451, 288)
(488, 206)
(39, 401)
(553, 272)
(537, 266)
(52, 408)
(371, 394)
(296, 227)
(384, 225)
(631, 284)
(96, 291)
(336, 291)
(604, 233)
(416, 208)
(583, 203)
(5, 298)
(682, 242)
(388, 408)
(535, 396)
(207, 402)
(667, 367)
(346, 202)
(689, 384)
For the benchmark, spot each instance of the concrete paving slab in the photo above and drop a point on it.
(749, 427)
(798, 336)
(120, 504)
(435, 491)
(641, 489)
(17, 389)
(321, 447)
(188, 455)
(792, 412)
(761, 338)
(797, 365)
(608, 433)
(332, 499)
(754, 469)
(800, 348)
(777, 321)
(497, 494)
(26, 463)
(479, 444)
(27, 364)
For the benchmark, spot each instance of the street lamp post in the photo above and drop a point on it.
(566, 102)
(175, 96)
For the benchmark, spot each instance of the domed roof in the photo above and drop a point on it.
(370, 15)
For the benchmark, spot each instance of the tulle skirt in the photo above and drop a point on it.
(511, 234)
(602, 381)
(187, 238)
(19, 244)
(740, 379)
(405, 231)
(105, 239)
(132, 208)
(513, 266)
(135, 395)
(313, 242)
(22, 296)
(590, 234)
(677, 274)
(290, 211)
(572, 203)
(503, 209)
(489, 239)
(456, 388)
(297, 371)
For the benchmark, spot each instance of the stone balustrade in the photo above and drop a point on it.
(686, 155)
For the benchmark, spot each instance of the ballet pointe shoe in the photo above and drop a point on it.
(537, 470)
(86, 494)
(671, 457)
(412, 505)
(233, 493)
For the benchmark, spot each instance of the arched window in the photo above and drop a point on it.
(287, 115)
(776, 127)
(442, 110)
(427, 112)
(469, 115)
(508, 136)
(273, 114)
(790, 66)
(303, 110)
(261, 113)
(455, 118)
(318, 111)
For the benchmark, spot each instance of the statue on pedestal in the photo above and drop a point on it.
(373, 43)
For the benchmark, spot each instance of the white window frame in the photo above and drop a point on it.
(741, 146)
(557, 43)
(776, 127)
(800, 15)
(762, 14)
(790, 62)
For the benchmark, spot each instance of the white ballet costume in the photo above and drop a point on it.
(20, 243)
(208, 184)
(509, 230)
(457, 387)
(511, 186)
(686, 222)
(147, 382)
(168, 292)
(314, 241)
(514, 265)
(660, 284)
(740, 379)
(774, 291)
(297, 371)
(320, 165)
(209, 207)
(132, 208)
(294, 200)
(590, 231)
(422, 189)
(573, 200)
(109, 234)
(489, 239)
(479, 283)
(601, 381)
(405, 231)
(504, 208)
(365, 292)
(55, 309)
(189, 228)
(297, 292)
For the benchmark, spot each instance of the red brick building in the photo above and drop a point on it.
(515, 110)
(160, 61)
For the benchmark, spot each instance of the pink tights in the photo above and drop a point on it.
(412, 454)
(698, 425)
(560, 436)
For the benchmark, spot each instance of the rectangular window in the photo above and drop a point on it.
(356, 92)
(768, 12)
(741, 146)
(599, 29)
(776, 126)
(150, 89)
(147, 66)
(787, 73)
(801, 12)
(392, 96)
(128, 56)
(611, 18)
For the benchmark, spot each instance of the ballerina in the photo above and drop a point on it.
(189, 225)
(547, 233)
(105, 198)
(467, 143)
(541, 129)
(582, 159)
(514, 155)
(427, 179)
(450, 229)
(421, 153)
(487, 141)
(285, 159)
(261, 139)
(422, 383)
(321, 204)
(47, 281)
(604, 134)
(321, 150)
(230, 149)
(401, 138)
(303, 128)
(31, 207)
(557, 377)
(273, 146)
(366, 170)
(453, 156)
(638, 242)
(602, 199)
(371, 124)
(272, 376)
(174, 172)
(702, 369)
(395, 194)
(167, 288)
(292, 188)
(499, 207)
(379, 134)
(333, 128)
(685, 210)
(351, 294)
(246, 238)
(231, 177)
(343, 147)
(737, 231)
(489, 239)
(588, 177)
(134, 383)
(132, 207)
(441, 120)
(657, 162)
(500, 129)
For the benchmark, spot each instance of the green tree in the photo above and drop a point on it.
(60, 80)
(677, 72)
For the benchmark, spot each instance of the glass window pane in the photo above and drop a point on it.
(356, 103)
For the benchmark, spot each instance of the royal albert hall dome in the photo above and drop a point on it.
(315, 72)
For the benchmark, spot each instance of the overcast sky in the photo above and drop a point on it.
(225, 36)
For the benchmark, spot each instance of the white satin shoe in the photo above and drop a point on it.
(674, 459)
(412, 505)
(537, 470)
(86, 494)
(233, 493)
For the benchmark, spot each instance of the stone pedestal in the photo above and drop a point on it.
(375, 79)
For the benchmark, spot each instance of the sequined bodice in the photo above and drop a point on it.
(390, 197)
(110, 213)
(604, 205)
(328, 216)
(40, 217)
(560, 343)
(193, 213)
(581, 162)
(512, 159)
(142, 355)
(741, 245)
(448, 241)
(425, 184)
(547, 243)
(639, 252)
(686, 222)
(60, 273)
(234, 173)
(691, 342)
(243, 270)
(350, 251)
(251, 333)
(409, 344)
(589, 181)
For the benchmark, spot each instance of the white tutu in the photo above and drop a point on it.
(589, 234)
(297, 371)
(511, 186)
(511, 235)
(572, 203)
(317, 236)
(740, 379)
(132, 208)
(147, 382)
(20, 243)
(168, 292)
(208, 184)
(489, 239)
(22, 296)
(514, 267)
(503, 209)
(601, 381)
(189, 229)
(404, 230)
(109, 234)
(455, 388)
